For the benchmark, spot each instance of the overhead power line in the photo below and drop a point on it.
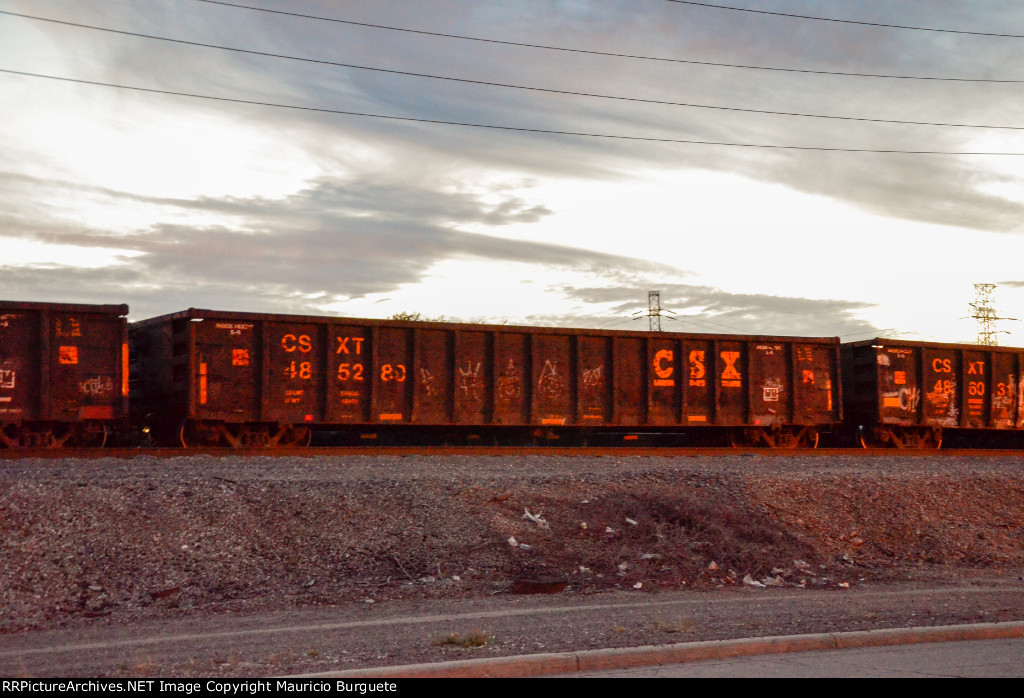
(489, 83)
(844, 21)
(519, 129)
(609, 54)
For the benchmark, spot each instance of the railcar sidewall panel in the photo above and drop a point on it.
(20, 368)
(349, 373)
(770, 380)
(552, 380)
(391, 399)
(593, 378)
(293, 372)
(731, 373)
(512, 392)
(629, 381)
(699, 393)
(939, 388)
(473, 377)
(228, 360)
(433, 387)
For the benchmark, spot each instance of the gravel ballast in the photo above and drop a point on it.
(121, 541)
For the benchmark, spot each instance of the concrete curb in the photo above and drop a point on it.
(597, 660)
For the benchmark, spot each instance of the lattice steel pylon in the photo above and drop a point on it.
(985, 315)
(654, 311)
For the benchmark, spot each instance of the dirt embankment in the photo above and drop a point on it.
(145, 538)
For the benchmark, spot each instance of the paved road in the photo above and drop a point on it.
(972, 659)
(976, 650)
(381, 636)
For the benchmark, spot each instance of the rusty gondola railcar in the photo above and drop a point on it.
(910, 394)
(250, 379)
(63, 373)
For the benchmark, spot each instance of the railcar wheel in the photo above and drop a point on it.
(737, 438)
(298, 437)
(880, 437)
(93, 436)
(194, 434)
(931, 439)
(10, 440)
(788, 437)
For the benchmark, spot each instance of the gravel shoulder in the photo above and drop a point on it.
(96, 550)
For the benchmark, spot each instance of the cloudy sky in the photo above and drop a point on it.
(544, 162)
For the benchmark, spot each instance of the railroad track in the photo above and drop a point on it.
(583, 451)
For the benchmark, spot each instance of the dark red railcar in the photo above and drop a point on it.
(911, 394)
(63, 373)
(247, 379)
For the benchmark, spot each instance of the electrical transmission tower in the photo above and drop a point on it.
(985, 315)
(654, 310)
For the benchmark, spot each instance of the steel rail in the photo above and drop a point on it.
(449, 451)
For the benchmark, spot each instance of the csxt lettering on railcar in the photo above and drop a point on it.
(260, 379)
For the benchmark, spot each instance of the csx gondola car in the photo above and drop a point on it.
(914, 394)
(246, 379)
(63, 373)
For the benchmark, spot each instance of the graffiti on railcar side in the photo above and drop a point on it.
(944, 389)
(8, 377)
(771, 390)
(550, 384)
(591, 393)
(510, 387)
(1020, 402)
(470, 384)
(427, 382)
(909, 399)
(1003, 393)
(469, 377)
(97, 385)
(941, 399)
(593, 377)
